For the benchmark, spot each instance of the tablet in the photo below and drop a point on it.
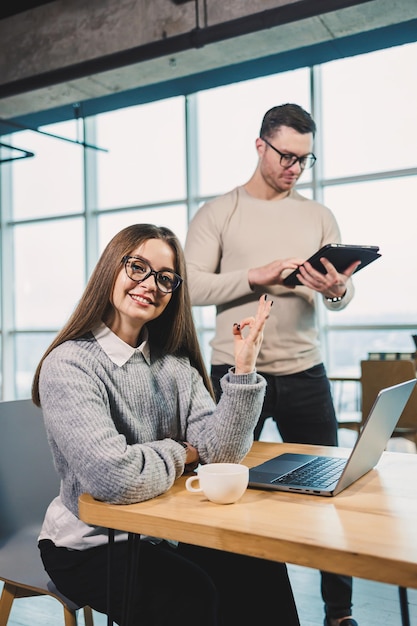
(341, 256)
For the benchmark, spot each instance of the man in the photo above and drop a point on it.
(243, 244)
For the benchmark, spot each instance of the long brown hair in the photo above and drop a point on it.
(173, 331)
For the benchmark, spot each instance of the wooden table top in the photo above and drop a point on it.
(369, 530)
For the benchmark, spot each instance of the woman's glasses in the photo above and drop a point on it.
(139, 270)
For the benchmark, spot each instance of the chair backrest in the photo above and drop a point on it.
(28, 479)
(376, 375)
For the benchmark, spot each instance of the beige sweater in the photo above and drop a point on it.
(235, 232)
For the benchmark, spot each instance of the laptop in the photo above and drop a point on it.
(328, 476)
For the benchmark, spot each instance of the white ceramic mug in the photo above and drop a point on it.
(222, 483)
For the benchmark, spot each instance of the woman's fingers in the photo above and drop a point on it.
(258, 322)
(247, 345)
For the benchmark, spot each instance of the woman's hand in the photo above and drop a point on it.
(192, 459)
(247, 346)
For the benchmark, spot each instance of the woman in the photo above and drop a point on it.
(128, 407)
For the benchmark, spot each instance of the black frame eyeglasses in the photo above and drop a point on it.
(139, 270)
(288, 160)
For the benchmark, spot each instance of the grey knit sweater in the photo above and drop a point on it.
(112, 426)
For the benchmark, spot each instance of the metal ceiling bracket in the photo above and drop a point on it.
(43, 132)
(25, 153)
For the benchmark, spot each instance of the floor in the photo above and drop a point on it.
(375, 604)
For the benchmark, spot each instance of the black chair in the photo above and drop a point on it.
(28, 482)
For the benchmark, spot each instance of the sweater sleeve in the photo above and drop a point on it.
(203, 252)
(224, 432)
(332, 235)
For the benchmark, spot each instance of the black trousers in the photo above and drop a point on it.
(175, 586)
(302, 407)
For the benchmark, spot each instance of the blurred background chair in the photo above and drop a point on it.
(375, 375)
(28, 482)
(347, 401)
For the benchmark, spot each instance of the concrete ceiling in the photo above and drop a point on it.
(13, 7)
(198, 55)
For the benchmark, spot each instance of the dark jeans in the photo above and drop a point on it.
(302, 407)
(176, 585)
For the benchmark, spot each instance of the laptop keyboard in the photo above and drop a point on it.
(320, 472)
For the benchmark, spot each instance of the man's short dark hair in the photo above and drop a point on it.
(291, 115)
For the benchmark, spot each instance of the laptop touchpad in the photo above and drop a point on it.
(279, 466)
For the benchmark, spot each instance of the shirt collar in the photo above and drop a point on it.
(118, 350)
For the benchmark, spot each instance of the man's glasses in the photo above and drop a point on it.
(139, 270)
(288, 160)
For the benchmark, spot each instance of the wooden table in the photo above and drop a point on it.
(368, 531)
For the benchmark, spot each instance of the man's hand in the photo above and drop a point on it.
(332, 284)
(271, 274)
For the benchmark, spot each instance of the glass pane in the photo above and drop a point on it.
(349, 347)
(146, 159)
(174, 217)
(378, 213)
(49, 272)
(229, 121)
(307, 192)
(205, 339)
(205, 316)
(205, 320)
(51, 182)
(369, 105)
(29, 350)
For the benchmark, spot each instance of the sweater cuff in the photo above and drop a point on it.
(242, 379)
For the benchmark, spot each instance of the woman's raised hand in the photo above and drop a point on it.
(248, 344)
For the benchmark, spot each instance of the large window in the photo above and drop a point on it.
(50, 183)
(163, 159)
(368, 113)
(145, 163)
(229, 119)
